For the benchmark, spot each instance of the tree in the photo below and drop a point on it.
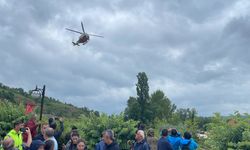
(142, 89)
(161, 105)
(138, 108)
(132, 110)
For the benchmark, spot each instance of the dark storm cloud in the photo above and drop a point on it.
(196, 51)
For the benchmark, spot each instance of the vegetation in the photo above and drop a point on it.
(51, 105)
(153, 110)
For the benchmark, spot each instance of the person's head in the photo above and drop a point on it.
(164, 133)
(109, 137)
(8, 144)
(187, 136)
(18, 125)
(37, 145)
(151, 132)
(50, 120)
(81, 144)
(174, 132)
(49, 133)
(73, 128)
(140, 135)
(74, 137)
(52, 123)
(44, 126)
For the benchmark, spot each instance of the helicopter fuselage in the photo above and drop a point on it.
(84, 38)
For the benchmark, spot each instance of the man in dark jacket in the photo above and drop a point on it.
(109, 141)
(163, 144)
(141, 143)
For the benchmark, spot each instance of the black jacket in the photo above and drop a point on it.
(163, 144)
(112, 146)
(143, 145)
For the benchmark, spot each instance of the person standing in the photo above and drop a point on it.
(49, 137)
(81, 145)
(163, 144)
(16, 135)
(52, 124)
(101, 144)
(174, 139)
(187, 143)
(72, 143)
(140, 143)
(109, 141)
(40, 136)
(151, 139)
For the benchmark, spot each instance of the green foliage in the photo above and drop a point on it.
(161, 106)
(9, 113)
(51, 105)
(147, 108)
(92, 127)
(232, 132)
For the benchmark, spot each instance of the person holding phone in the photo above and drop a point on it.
(16, 135)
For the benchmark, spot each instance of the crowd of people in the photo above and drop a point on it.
(25, 137)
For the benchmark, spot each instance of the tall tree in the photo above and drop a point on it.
(142, 89)
(138, 108)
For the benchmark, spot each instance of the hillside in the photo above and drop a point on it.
(52, 106)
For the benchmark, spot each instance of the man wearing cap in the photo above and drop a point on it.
(141, 143)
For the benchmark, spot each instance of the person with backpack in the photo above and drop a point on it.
(187, 143)
(163, 144)
(174, 139)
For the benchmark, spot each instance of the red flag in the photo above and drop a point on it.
(29, 107)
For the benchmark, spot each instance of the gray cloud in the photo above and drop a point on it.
(196, 51)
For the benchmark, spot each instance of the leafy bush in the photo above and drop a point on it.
(91, 128)
(9, 113)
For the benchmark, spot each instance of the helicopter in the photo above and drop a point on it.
(84, 37)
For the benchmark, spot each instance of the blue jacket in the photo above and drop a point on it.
(174, 141)
(193, 145)
(100, 145)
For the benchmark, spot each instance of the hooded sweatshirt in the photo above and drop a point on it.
(193, 145)
(174, 141)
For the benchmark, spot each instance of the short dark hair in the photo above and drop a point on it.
(81, 140)
(75, 133)
(164, 132)
(73, 127)
(187, 135)
(17, 122)
(174, 132)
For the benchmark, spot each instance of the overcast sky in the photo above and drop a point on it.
(196, 51)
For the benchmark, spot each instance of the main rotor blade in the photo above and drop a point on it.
(96, 35)
(82, 28)
(74, 31)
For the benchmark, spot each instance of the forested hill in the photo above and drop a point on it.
(52, 106)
